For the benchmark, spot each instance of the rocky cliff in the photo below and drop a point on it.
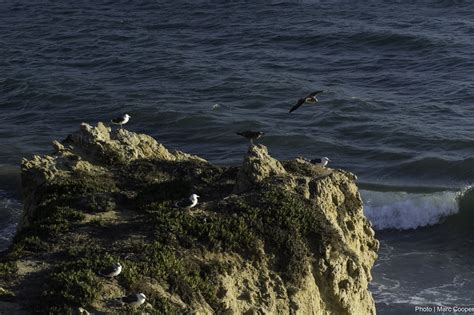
(268, 237)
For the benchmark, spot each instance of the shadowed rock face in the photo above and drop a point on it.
(271, 237)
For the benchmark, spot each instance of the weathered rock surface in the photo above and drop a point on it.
(268, 237)
(257, 166)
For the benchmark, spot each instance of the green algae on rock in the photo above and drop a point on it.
(270, 237)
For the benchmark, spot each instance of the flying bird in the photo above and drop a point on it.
(251, 135)
(310, 99)
(321, 162)
(111, 271)
(122, 120)
(134, 299)
(187, 203)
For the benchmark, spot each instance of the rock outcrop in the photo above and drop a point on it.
(268, 237)
(257, 166)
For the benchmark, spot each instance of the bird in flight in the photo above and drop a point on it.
(310, 99)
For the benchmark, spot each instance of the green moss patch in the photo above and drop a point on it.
(75, 282)
(70, 288)
(175, 272)
(81, 183)
(8, 269)
(45, 227)
(283, 220)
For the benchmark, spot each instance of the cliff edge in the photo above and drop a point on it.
(268, 237)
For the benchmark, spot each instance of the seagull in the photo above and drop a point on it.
(134, 299)
(251, 135)
(122, 120)
(189, 203)
(311, 98)
(321, 162)
(111, 271)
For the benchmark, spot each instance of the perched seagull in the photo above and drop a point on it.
(134, 299)
(189, 203)
(122, 120)
(311, 99)
(111, 271)
(321, 162)
(251, 135)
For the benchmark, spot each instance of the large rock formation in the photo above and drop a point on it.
(268, 237)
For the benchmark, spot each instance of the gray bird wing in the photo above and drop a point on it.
(315, 93)
(130, 298)
(183, 203)
(117, 120)
(108, 270)
(297, 105)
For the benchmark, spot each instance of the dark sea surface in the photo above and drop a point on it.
(398, 107)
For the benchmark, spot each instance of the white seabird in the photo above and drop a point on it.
(310, 98)
(122, 120)
(134, 299)
(321, 162)
(188, 203)
(111, 271)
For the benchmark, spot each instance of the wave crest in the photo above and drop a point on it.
(404, 211)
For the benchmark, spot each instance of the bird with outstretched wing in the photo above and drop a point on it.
(310, 98)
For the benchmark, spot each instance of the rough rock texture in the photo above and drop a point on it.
(85, 152)
(257, 166)
(268, 237)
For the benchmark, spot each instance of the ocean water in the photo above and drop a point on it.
(398, 75)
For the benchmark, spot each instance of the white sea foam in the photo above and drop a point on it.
(389, 291)
(402, 210)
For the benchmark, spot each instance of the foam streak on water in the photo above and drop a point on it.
(412, 271)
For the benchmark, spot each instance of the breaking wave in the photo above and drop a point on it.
(405, 210)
